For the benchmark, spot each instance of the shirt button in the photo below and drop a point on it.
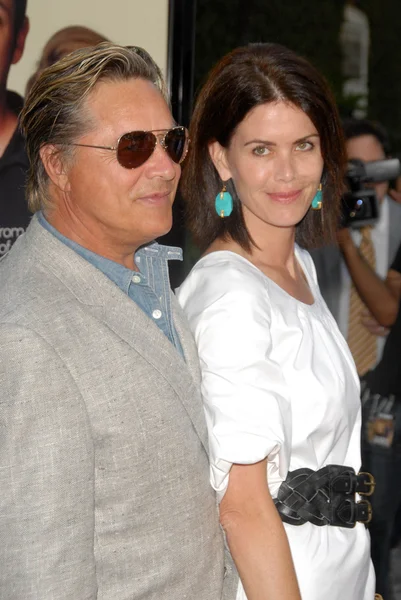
(136, 279)
(156, 314)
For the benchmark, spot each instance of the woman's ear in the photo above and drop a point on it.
(218, 154)
(55, 167)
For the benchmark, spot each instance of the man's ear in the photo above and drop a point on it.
(218, 154)
(20, 41)
(55, 167)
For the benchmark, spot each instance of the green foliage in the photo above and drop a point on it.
(310, 27)
(385, 65)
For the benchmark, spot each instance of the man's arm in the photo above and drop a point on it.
(381, 297)
(46, 476)
(256, 536)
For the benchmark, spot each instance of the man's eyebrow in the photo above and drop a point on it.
(267, 143)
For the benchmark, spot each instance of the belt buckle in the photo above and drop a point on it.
(368, 509)
(368, 481)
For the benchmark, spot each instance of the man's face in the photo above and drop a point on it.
(6, 38)
(122, 207)
(368, 148)
(10, 49)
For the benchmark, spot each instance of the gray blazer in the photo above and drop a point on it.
(104, 474)
(328, 261)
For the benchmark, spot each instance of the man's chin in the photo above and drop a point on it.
(162, 229)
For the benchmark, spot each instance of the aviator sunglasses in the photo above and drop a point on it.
(136, 147)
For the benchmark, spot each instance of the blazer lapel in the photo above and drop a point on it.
(108, 303)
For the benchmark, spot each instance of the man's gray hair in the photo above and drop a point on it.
(55, 111)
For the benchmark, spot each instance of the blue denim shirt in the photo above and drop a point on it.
(149, 288)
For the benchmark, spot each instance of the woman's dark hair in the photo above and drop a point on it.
(243, 79)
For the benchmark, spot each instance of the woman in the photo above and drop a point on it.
(280, 388)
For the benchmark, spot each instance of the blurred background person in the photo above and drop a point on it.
(63, 42)
(342, 270)
(381, 430)
(364, 264)
(14, 215)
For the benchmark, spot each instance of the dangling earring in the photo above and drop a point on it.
(318, 199)
(224, 203)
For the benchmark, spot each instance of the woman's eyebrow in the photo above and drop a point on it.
(267, 143)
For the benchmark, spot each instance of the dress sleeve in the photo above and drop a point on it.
(247, 414)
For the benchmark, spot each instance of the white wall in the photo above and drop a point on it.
(127, 22)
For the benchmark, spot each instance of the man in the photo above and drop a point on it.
(14, 214)
(343, 270)
(104, 474)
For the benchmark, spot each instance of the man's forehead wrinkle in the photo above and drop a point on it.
(106, 109)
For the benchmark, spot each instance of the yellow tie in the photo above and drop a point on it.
(362, 343)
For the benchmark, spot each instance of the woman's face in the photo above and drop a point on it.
(275, 161)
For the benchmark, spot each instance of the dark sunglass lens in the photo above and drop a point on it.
(175, 143)
(135, 148)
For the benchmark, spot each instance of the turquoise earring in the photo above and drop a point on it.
(318, 199)
(224, 203)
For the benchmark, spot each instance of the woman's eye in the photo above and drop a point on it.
(261, 151)
(305, 146)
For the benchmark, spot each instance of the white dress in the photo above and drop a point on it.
(278, 380)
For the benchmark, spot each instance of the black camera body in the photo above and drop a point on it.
(360, 205)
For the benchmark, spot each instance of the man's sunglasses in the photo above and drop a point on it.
(135, 148)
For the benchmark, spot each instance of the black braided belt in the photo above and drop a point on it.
(325, 497)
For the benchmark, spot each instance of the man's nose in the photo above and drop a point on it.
(160, 164)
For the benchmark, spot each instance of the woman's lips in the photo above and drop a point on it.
(285, 197)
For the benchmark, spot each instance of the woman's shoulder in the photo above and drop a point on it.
(223, 270)
(227, 298)
(222, 277)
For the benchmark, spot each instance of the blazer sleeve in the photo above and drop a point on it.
(46, 475)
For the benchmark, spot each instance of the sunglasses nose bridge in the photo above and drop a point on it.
(161, 139)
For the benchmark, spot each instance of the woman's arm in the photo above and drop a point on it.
(256, 536)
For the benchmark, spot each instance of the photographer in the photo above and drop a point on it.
(361, 282)
(346, 273)
(381, 415)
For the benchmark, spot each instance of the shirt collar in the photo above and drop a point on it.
(119, 274)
